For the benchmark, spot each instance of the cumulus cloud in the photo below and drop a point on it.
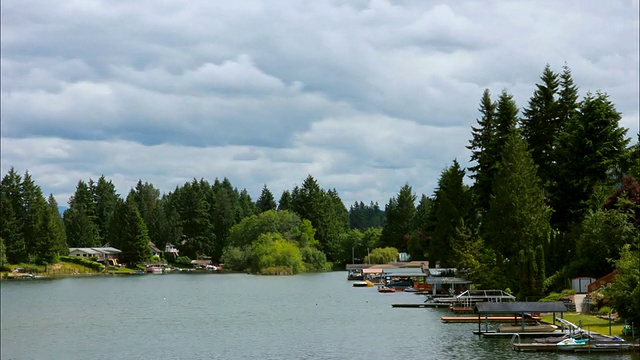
(365, 95)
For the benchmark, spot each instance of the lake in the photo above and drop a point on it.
(231, 316)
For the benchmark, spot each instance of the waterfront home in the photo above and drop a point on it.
(171, 249)
(100, 253)
(154, 250)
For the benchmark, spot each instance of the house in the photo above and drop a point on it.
(154, 250)
(201, 263)
(171, 249)
(100, 253)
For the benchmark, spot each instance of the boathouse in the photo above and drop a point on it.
(519, 309)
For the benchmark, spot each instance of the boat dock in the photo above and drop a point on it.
(474, 319)
(554, 348)
(497, 334)
(421, 305)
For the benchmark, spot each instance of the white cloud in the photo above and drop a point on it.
(365, 96)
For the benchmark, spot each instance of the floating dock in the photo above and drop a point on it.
(521, 334)
(533, 347)
(474, 319)
(422, 305)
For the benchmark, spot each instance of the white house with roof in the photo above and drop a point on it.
(170, 248)
(101, 253)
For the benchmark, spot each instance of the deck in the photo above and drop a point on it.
(554, 348)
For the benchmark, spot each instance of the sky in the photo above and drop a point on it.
(365, 96)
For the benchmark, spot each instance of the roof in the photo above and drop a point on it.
(97, 250)
(519, 307)
(414, 273)
(153, 247)
(447, 280)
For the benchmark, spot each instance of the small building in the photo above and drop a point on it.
(201, 263)
(100, 253)
(581, 284)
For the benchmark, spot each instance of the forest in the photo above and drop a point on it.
(554, 196)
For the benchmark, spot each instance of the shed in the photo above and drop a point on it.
(581, 284)
(517, 308)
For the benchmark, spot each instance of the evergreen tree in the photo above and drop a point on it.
(518, 218)
(400, 213)
(135, 238)
(481, 151)
(246, 206)
(451, 206)
(567, 104)
(80, 218)
(56, 229)
(105, 199)
(266, 201)
(285, 201)
(541, 123)
(11, 224)
(225, 213)
(590, 150)
(34, 217)
(147, 200)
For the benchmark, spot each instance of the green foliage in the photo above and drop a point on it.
(266, 201)
(554, 296)
(542, 123)
(184, 260)
(400, 212)
(605, 310)
(236, 258)
(130, 233)
(84, 262)
(482, 152)
(558, 280)
(590, 149)
(362, 216)
(450, 207)
(314, 259)
(382, 256)
(271, 250)
(600, 236)
(3, 256)
(624, 293)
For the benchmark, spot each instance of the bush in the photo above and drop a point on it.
(605, 310)
(183, 260)
(84, 262)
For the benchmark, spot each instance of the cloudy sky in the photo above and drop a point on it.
(363, 95)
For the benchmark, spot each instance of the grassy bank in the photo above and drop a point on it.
(591, 323)
(59, 269)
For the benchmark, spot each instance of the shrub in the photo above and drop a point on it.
(183, 260)
(84, 262)
(605, 310)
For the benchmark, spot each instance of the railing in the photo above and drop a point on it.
(513, 340)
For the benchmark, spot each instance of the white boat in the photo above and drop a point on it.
(154, 270)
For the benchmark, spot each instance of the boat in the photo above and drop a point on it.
(365, 283)
(410, 289)
(384, 289)
(573, 344)
(529, 327)
(154, 270)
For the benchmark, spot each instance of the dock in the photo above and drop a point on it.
(421, 305)
(554, 348)
(474, 319)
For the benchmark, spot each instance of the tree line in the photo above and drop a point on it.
(554, 195)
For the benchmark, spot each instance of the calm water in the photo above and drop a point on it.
(230, 316)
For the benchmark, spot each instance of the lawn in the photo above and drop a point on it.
(120, 270)
(590, 323)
